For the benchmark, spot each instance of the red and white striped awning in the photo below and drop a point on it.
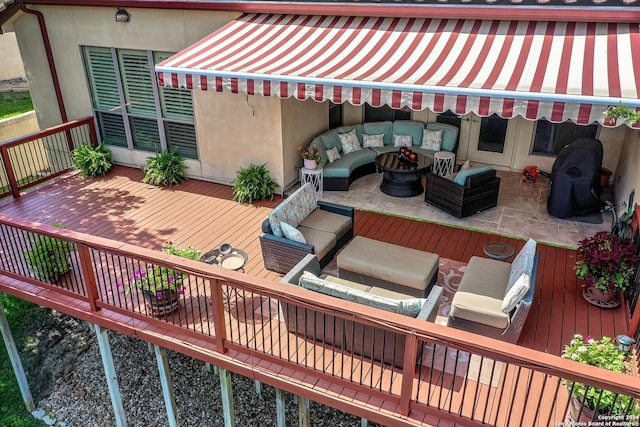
(556, 70)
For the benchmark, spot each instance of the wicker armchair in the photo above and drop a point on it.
(281, 254)
(478, 193)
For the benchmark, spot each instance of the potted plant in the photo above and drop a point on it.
(587, 401)
(253, 183)
(48, 257)
(161, 286)
(606, 264)
(165, 168)
(310, 156)
(92, 160)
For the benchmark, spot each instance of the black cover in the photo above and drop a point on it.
(574, 188)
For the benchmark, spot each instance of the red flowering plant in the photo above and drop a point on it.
(606, 262)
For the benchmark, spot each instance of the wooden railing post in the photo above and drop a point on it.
(408, 372)
(217, 309)
(88, 276)
(11, 176)
(92, 132)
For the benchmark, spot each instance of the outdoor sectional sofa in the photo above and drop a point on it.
(339, 174)
(310, 227)
(353, 337)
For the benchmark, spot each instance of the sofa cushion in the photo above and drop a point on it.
(328, 221)
(294, 209)
(402, 140)
(386, 149)
(349, 142)
(449, 135)
(371, 141)
(461, 177)
(388, 293)
(292, 233)
(432, 139)
(408, 127)
(481, 291)
(331, 139)
(385, 128)
(519, 276)
(322, 241)
(344, 282)
(408, 307)
(343, 166)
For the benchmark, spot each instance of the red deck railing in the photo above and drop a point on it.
(443, 372)
(32, 159)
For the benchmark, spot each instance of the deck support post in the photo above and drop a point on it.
(167, 385)
(258, 385)
(304, 412)
(102, 337)
(364, 422)
(281, 420)
(16, 363)
(227, 397)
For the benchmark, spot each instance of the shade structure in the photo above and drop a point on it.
(555, 70)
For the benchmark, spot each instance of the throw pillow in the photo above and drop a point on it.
(292, 233)
(432, 139)
(333, 154)
(349, 142)
(515, 294)
(466, 165)
(402, 140)
(369, 141)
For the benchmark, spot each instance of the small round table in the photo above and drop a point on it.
(498, 250)
(315, 177)
(444, 163)
(401, 178)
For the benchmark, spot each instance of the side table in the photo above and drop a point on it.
(315, 177)
(444, 163)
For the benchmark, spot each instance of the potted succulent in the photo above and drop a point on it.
(161, 286)
(606, 264)
(310, 156)
(48, 258)
(586, 401)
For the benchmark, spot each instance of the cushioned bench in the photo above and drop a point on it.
(494, 297)
(396, 268)
(346, 334)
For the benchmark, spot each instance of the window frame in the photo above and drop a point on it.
(554, 133)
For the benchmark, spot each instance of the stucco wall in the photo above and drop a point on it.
(627, 172)
(10, 58)
(301, 122)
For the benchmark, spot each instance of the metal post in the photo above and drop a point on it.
(280, 409)
(258, 385)
(227, 398)
(167, 385)
(304, 412)
(111, 376)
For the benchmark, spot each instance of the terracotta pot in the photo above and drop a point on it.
(600, 299)
(310, 164)
(165, 304)
(577, 414)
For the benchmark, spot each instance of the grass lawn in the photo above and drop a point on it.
(14, 103)
(20, 314)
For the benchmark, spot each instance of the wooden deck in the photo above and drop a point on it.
(202, 214)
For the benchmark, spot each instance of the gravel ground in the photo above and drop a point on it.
(79, 396)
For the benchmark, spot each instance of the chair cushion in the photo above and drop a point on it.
(385, 128)
(481, 291)
(408, 307)
(292, 233)
(408, 127)
(343, 166)
(461, 177)
(328, 221)
(294, 209)
(322, 241)
(519, 276)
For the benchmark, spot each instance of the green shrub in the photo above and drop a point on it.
(253, 183)
(92, 160)
(48, 257)
(165, 168)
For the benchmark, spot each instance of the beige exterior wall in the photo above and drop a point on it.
(627, 172)
(10, 58)
(15, 127)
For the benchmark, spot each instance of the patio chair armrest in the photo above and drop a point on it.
(429, 310)
(308, 263)
(287, 242)
(337, 209)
